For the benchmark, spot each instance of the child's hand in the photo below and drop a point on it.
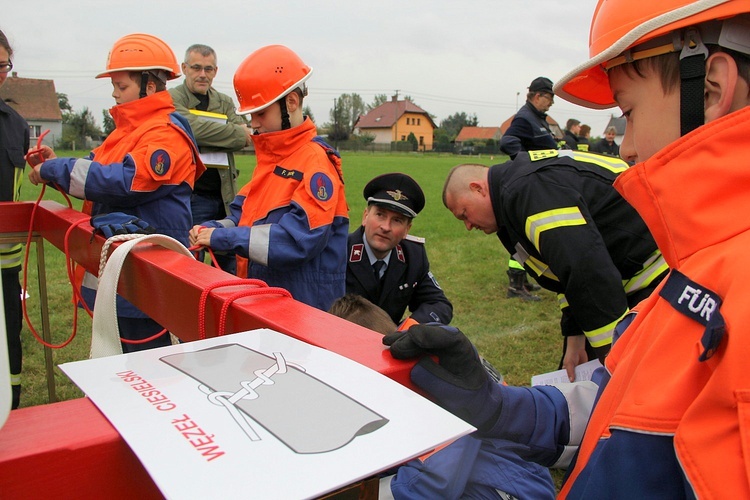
(201, 236)
(35, 176)
(39, 155)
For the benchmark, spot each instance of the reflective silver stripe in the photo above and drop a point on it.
(257, 248)
(226, 223)
(551, 219)
(78, 178)
(15, 379)
(653, 267)
(610, 163)
(11, 255)
(90, 281)
(562, 301)
(539, 267)
(603, 336)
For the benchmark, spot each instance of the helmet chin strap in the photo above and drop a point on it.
(144, 84)
(285, 123)
(692, 77)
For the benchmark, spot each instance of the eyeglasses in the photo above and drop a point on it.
(198, 68)
(6, 67)
(550, 97)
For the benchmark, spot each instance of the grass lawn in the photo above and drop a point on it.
(519, 338)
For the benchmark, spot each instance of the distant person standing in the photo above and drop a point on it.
(529, 130)
(218, 131)
(14, 143)
(572, 130)
(607, 145)
(584, 138)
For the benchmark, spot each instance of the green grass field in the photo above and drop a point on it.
(519, 338)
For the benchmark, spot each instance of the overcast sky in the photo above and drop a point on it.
(476, 57)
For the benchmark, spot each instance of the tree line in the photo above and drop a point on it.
(80, 127)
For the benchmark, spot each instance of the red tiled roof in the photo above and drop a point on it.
(386, 115)
(32, 98)
(481, 133)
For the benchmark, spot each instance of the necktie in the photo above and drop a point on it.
(376, 267)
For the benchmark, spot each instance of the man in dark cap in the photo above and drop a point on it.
(529, 131)
(386, 265)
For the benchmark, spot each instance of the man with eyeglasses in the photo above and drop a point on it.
(529, 130)
(219, 132)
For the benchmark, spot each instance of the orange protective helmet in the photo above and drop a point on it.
(267, 75)
(141, 52)
(620, 25)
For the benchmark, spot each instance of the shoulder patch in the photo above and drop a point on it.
(415, 239)
(321, 186)
(700, 304)
(356, 253)
(160, 162)
(288, 174)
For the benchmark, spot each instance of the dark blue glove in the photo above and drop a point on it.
(459, 381)
(119, 223)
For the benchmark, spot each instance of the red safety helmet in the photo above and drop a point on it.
(141, 52)
(619, 26)
(267, 75)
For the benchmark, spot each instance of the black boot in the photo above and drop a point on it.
(516, 289)
(528, 285)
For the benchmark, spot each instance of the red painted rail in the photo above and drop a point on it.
(69, 449)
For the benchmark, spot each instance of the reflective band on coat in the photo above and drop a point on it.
(78, 178)
(551, 219)
(603, 335)
(257, 249)
(536, 265)
(654, 266)
(614, 165)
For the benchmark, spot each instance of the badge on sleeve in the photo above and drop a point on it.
(160, 162)
(321, 186)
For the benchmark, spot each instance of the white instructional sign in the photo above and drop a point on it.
(259, 415)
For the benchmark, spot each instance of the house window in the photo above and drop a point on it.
(403, 137)
(421, 140)
(419, 121)
(35, 131)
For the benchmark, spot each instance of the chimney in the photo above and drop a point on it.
(394, 98)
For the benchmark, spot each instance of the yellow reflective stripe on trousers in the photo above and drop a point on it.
(551, 219)
(11, 255)
(536, 265)
(603, 335)
(562, 301)
(15, 379)
(514, 264)
(654, 266)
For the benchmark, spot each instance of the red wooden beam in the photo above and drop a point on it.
(59, 449)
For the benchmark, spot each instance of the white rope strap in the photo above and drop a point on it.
(105, 334)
